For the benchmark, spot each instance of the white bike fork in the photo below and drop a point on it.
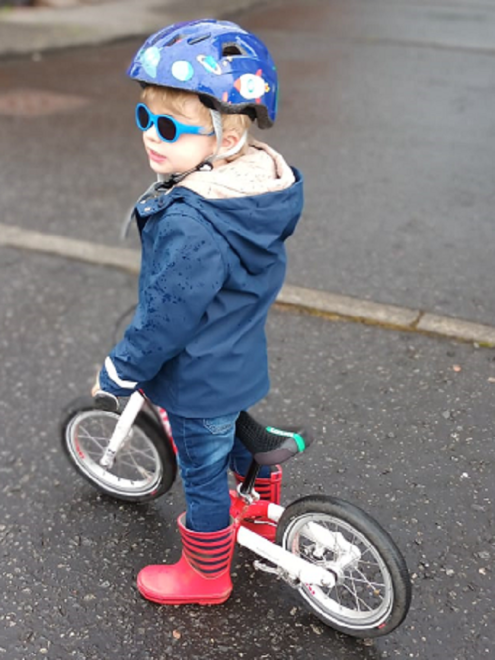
(122, 429)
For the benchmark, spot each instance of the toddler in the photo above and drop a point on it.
(213, 260)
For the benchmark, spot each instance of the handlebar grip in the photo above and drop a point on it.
(106, 401)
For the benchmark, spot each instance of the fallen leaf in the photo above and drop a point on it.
(316, 629)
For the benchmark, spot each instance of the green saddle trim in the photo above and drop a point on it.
(299, 440)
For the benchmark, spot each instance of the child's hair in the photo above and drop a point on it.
(176, 100)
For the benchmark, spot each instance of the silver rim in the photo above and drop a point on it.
(363, 599)
(137, 470)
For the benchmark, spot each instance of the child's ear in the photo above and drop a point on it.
(229, 141)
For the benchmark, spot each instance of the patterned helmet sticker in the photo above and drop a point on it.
(150, 58)
(210, 64)
(251, 86)
(182, 70)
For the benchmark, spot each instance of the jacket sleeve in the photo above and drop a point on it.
(186, 272)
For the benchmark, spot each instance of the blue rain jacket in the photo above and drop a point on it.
(210, 270)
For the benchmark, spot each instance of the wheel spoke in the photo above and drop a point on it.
(136, 466)
(144, 472)
(374, 564)
(357, 598)
(131, 450)
(95, 439)
(371, 563)
(93, 454)
(123, 463)
(354, 591)
(373, 585)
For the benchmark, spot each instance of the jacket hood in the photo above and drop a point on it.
(254, 202)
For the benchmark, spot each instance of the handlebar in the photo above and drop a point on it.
(105, 401)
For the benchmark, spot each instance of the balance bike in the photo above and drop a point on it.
(344, 565)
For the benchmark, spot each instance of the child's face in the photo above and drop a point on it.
(188, 151)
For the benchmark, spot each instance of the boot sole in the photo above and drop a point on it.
(209, 600)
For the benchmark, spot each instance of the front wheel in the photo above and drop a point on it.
(372, 595)
(145, 466)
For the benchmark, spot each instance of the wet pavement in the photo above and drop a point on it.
(404, 429)
(388, 109)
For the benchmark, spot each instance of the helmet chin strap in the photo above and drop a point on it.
(207, 163)
(216, 120)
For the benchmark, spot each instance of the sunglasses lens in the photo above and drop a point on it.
(143, 117)
(167, 129)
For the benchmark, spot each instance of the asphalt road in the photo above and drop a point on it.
(387, 107)
(400, 432)
(395, 136)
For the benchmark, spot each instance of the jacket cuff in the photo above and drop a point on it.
(111, 382)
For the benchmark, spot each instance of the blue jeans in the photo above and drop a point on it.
(206, 448)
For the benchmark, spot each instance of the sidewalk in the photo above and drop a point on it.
(26, 30)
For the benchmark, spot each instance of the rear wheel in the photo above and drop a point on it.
(372, 595)
(145, 467)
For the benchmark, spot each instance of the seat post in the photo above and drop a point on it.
(247, 485)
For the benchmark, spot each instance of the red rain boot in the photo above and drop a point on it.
(268, 489)
(201, 576)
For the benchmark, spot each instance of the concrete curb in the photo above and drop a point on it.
(337, 307)
(310, 301)
(70, 248)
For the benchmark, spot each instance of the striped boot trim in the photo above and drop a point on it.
(209, 553)
(268, 488)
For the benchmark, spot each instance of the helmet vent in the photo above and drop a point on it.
(229, 49)
(174, 40)
(196, 40)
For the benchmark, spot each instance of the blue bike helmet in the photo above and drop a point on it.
(230, 69)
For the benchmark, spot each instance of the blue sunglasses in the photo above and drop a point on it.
(168, 128)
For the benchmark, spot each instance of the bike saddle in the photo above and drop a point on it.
(271, 446)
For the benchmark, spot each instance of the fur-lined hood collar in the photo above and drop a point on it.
(260, 170)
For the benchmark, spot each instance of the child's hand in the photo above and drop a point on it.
(96, 387)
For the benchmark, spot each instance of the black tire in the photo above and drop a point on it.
(149, 441)
(381, 586)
